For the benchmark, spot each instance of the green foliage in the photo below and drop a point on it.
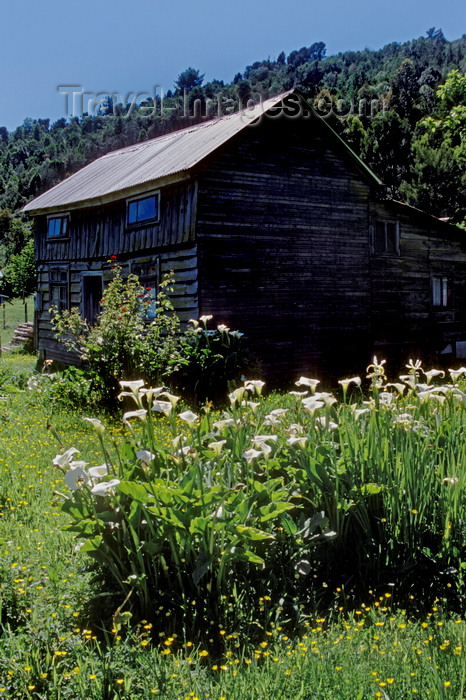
(437, 181)
(38, 154)
(189, 79)
(124, 343)
(201, 531)
(210, 361)
(20, 272)
(232, 510)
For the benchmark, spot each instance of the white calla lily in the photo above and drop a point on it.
(64, 459)
(98, 472)
(102, 488)
(97, 424)
(189, 417)
(145, 455)
(76, 477)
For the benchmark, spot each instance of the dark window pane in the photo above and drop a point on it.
(132, 212)
(146, 209)
(142, 210)
(379, 242)
(390, 233)
(57, 227)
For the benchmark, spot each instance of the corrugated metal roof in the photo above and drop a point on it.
(147, 162)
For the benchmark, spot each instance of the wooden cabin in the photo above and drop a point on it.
(272, 225)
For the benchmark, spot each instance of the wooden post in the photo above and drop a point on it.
(25, 312)
(4, 315)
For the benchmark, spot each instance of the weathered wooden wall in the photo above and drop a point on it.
(97, 234)
(404, 321)
(284, 247)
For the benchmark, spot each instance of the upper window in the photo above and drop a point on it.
(386, 238)
(142, 210)
(57, 227)
(440, 292)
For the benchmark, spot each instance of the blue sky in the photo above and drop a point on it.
(128, 46)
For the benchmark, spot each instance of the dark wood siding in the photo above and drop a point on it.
(405, 322)
(99, 232)
(284, 246)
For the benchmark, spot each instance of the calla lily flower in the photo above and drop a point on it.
(456, 373)
(64, 459)
(220, 424)
(260, 439)
(132, 386)
(346, 382)
(98, 472)
(76, 477)
(256, 384)
(172, 398)
(430, 374)
(145, 455)
(216, 446)
(311, 383)
(99, 427)
(162, 407)
(104, 487)
(189, 417)
(251, 454)
(141, 413)
(297, 440)
(204, 319)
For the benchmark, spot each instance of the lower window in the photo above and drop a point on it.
(440, 291)
(58, 288)
(147, 271)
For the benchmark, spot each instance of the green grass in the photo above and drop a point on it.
(11, 315)
(53, 644)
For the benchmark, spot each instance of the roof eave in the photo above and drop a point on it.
(141, 188)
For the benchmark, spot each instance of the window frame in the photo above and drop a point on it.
(63, 285)
(65, 217)
(145, 280)
(442, 293)
(85, 304)
(143, 221)
(386, 221)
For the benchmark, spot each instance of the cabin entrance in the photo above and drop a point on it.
(92, 287)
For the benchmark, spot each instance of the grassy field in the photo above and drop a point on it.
(67, 633)
(11, 315)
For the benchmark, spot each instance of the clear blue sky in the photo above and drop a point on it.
(130, 45)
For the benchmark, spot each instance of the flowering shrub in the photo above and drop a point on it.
(132, 339)
(124, 344)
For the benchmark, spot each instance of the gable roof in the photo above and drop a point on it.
(166, 158)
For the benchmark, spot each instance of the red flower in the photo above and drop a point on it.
(123, 310)
(113, 257)
(148, 289)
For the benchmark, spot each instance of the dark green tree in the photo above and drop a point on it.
(188, 80)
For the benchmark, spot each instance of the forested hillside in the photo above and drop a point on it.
(402, 108)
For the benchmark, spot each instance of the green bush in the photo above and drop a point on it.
(210, 361)
(124, 344)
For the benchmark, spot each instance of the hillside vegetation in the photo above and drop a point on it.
(402, 108)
